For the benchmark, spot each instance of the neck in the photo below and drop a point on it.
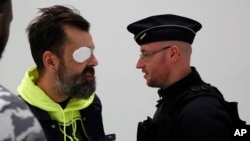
(177, 75)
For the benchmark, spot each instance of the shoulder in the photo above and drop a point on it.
(204, 112)
(8, 100)
(16, 118)
(204, 107)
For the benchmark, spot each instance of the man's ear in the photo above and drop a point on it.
(174, 53)
(49, 59)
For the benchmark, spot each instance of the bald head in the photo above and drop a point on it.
(184, 47)
(184, 50)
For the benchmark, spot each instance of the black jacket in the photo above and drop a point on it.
(91, 117)
(201, 119)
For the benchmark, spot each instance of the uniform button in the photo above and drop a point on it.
(195, 89)
(53, 126)
(204, 87)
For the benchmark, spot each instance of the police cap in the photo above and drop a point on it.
(164, 27)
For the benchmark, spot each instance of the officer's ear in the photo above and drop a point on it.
(174, 53)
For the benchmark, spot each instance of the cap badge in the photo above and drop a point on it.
(142, 36)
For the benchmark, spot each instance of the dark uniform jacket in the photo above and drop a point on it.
(201, 119)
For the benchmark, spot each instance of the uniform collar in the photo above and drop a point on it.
(180, 86)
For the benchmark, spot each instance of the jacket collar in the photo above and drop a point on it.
(180, 86)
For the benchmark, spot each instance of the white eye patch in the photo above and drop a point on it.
(81, 54)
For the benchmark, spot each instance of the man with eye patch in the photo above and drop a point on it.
(60, 89)
(189, 109)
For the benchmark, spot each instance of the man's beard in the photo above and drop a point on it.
(76, 86)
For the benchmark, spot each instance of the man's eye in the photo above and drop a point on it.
(145, 54)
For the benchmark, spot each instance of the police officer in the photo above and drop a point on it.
(165, 44)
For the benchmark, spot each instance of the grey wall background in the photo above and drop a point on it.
(220, 52)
